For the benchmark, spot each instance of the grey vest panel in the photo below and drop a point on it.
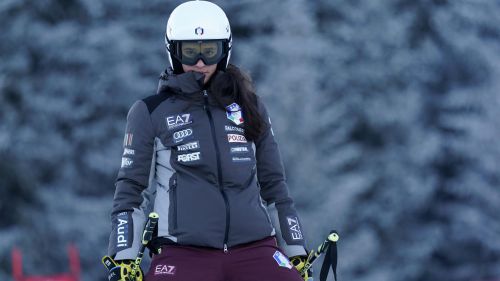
(163, 169)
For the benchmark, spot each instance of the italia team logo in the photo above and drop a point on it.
(282, 260)
(233, 112)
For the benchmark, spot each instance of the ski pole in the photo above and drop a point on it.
(314, 255)
(147, 235)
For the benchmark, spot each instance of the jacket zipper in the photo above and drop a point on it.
(174, 202)
(219, 168)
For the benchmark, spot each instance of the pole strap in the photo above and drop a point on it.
(330, 260)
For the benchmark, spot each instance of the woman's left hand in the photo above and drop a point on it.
(299, 262)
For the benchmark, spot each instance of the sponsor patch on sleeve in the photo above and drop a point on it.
(282, 260)
(127, 140)
(127, 162)
(128, 151)
(294, 226)
(123, 231)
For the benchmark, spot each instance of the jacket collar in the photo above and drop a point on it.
(185, 83)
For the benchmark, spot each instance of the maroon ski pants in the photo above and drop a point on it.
(257, 261)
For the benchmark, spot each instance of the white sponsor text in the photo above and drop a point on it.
(234, 129)
(128, 151)
(126, 162)
(176, 121)
(122, 232)
(188, 146)
(189, 157)
(164, 269)
(293, 224)
(239, 149)
(236, 138)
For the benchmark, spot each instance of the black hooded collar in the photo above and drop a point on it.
(184, 83)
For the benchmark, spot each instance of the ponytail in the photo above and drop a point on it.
(234, 85)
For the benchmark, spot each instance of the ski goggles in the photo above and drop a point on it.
(209, 51)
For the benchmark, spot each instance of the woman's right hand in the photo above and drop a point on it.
(123, 271)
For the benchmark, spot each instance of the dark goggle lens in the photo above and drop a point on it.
(210, 52)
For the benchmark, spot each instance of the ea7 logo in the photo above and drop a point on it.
(164, 269)
(293, 225)
(176, 121)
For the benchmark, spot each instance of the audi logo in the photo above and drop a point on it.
(183, 134)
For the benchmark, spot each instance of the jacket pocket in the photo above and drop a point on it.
(172, 213)
(262, 205)
(266, 214)
(250, 179)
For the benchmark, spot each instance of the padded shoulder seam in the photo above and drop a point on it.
(153, 101)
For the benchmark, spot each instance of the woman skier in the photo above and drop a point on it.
(201, 153)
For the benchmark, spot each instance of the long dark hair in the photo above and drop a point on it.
(234, 85)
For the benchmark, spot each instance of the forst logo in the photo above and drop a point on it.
(188, 157)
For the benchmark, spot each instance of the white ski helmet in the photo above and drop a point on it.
(198, 22)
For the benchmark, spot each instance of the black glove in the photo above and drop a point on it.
(299, 262)
(121, 271)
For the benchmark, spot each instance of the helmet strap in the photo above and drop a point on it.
(176, 65)
(222, 64)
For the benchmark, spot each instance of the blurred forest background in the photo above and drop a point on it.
(387, 113)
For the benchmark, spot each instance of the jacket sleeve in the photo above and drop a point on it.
(274, 191)
(127, 217)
